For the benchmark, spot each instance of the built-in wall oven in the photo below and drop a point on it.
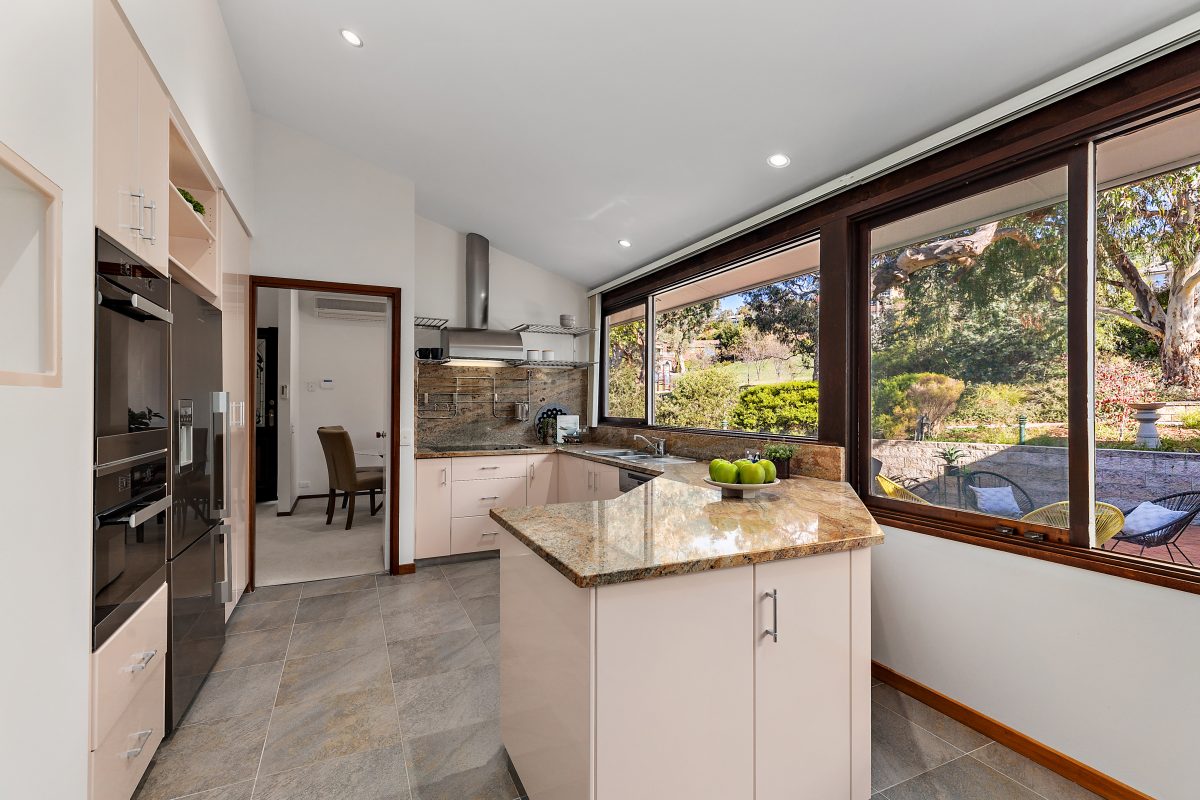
(131, 503)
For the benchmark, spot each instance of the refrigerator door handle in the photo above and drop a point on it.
(223, 565)
(221, 483)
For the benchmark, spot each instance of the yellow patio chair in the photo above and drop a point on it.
(898, 492)
(1109, 519)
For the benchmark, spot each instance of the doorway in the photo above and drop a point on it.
(324, 361)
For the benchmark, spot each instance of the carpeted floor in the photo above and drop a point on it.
(303, 548)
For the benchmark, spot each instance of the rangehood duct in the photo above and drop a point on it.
(474, 340)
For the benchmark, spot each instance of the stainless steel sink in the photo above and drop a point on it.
(646, 458)
(611, 452)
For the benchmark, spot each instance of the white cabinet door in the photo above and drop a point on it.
(434, 496)
(118, 62)
(802, 678)
(543, 479)
(675, 688)
(606, 483)
(572, 479)
(154, 157)
(235, 267)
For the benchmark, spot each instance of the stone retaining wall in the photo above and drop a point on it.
(1123, 477)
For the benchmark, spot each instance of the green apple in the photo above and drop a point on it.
(751, 473)
(768, 469)
(722, 471)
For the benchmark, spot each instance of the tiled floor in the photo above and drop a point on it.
(383, 688)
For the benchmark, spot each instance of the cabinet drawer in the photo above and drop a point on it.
(117, 764)
(482, 467)
(475, 498)
(473, 534)
(124, 665)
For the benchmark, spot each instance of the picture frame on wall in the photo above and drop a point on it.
(30, 275)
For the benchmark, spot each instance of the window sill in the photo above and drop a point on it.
(772, 437)
(1117, 564)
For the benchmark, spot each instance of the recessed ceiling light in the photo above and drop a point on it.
(625, 243)
(352, 38)
(778, 161)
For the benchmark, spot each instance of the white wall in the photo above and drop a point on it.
(520, 291)
(355, 355)
(324, 214)
(45, 482)
(1100, 668)
(190, 48)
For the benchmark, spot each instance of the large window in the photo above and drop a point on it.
(735, 350)
(968, 314)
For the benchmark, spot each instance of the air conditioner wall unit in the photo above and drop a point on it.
(351, 309)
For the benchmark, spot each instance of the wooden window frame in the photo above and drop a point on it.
(1065, 130)
(605, 312)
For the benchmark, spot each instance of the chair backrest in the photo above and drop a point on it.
(994, 480)
(1183, 501)
(1109, 519)
(898, 492)
(339, 457)
(1188, 502)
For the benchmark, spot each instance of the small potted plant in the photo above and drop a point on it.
(951, 456)
(781, 456)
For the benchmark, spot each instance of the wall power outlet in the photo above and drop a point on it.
(305, 484)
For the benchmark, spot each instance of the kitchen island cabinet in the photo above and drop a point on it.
(668, 643)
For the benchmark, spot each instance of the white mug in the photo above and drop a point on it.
(533, 355)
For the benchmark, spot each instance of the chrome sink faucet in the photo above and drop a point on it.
(656, 445)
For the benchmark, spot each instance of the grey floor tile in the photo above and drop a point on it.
(373, 775)
(235, 692)
(491, 637)
(476, 566)
(404, 597)
(448, 700)
(312, 731)
(364, 630)
(1048, 784)
(476, 584)
(483, 610)
(879, 796)
(262, 616)
(200, 757)
(901, 750)
(354, 583)
(239, 791)
(271, 594)
(961, 779)
(337, 672)
(439, 652)
(935, 722)
(442, 764)
(426, 620)
(337, 606)
(430, 573)
(254, 647)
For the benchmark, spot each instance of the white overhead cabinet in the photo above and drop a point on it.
(132, 123)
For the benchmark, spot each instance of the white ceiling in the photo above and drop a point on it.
(556, 128)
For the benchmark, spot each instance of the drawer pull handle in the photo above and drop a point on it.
(492, 497)
(142, 662)
(489, 468)
(141, 737)
(489, 533)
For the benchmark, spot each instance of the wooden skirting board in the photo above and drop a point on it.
(1074, 771)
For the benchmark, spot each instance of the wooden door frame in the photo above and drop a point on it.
(393, 488)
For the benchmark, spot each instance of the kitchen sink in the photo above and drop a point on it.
(617, 452)
(646, 458)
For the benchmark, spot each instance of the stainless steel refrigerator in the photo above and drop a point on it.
(198, 550)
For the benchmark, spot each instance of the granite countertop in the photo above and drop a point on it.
(676, 524)
(524, 450)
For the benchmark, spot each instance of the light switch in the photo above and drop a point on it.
(406, 437)
(283, 391)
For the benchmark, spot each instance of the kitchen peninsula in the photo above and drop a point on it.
(667, 643)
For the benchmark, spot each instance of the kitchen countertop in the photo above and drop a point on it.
(676, 525)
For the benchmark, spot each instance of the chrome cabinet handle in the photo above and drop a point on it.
(590, 476)
(491, 497)
(141, 207)
(489, 468)
(489, 533)
(141, 737)
(531, 473)
(144, 515)
(143, 661)
(220, 405)
(153, 309)
(443, 476)
(153, 237)
(773, 631)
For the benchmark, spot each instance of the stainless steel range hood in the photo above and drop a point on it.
(475, 340)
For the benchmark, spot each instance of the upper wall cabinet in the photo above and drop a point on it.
(132, 122)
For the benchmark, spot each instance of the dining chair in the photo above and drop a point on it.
(1109, 519)
(898, 492)
(345, 475)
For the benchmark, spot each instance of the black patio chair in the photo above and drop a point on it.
(1166, 535)
(994, 480)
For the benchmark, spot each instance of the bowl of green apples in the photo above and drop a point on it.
(742, 478)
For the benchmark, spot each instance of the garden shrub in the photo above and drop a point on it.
(935, 397)
(700, 399)
(990, 404)
(789, 407)
(626, 392)
(1190, 419)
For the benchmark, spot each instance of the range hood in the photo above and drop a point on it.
(474, 340)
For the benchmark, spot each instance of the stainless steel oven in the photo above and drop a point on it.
(133, 350)
(129, 538)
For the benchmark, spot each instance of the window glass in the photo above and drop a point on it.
(625, 337)
(1147, 369)
(968, 353)
(737, 350)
